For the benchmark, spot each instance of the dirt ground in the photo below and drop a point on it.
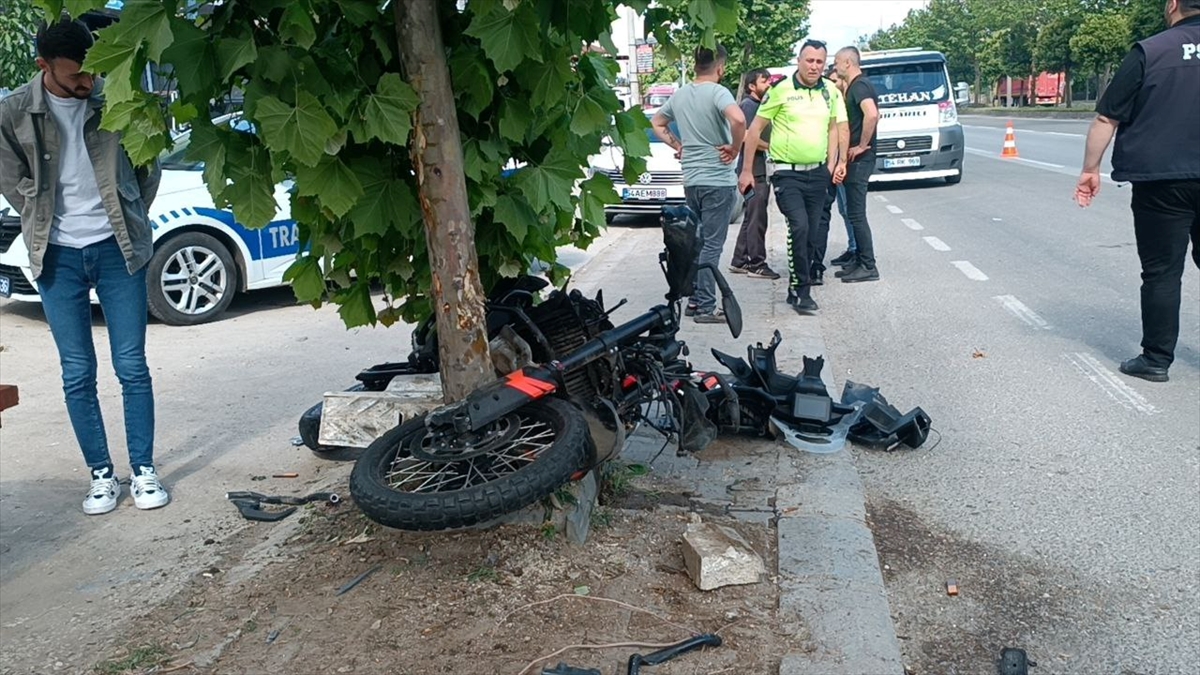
(481, 601)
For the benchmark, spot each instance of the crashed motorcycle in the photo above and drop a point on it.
(515, 441)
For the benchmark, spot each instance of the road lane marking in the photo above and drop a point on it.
(881, 198)
(936, 244)
(1020, 131)
(1110, 383)
(1022, 312)
(912, 224)
(1034, 162)
(895, 209)
(972, 272)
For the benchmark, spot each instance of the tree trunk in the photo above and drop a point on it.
(457, 296)
(1067, 93)
(980, 96)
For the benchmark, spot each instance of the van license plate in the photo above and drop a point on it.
(5, 286)
(644, 193)
(901, 162)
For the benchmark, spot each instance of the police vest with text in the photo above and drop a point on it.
(1163, 140)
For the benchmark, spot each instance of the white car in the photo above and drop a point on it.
(202, 256)
(661, 184)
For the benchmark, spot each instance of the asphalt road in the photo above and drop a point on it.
(1062, 496)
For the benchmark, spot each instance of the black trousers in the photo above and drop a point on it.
(858, 175)
(1165, 215)
(751, 249)
(818, 237)
(801, 197)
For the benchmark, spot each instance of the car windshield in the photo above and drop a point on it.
(908, 83)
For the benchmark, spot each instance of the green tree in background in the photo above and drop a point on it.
(398, 125)
(1100, 43)
(764, 36)
(18, 22)
(1052, 52)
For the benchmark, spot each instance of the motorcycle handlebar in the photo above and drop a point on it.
(661, 316)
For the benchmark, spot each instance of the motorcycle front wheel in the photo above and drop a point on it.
(414, 479)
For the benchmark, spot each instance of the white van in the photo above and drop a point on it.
(919, 136)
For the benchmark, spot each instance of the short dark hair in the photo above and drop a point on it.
(1189, 6)
(815, 44)
(707, 59)
(855, 55)
(66, 39)
(756, 75)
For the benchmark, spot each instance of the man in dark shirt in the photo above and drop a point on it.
(750, 255)
(1151, 107)
(863, 112)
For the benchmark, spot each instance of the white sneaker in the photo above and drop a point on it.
(102, 496)
(148, 492)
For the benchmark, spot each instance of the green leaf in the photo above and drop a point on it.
(387, 113)
(590, 117)
(253, 200)
(296, 25)
(516, 118)
(472, 80)
(308, 283)
(147, 20)
(108, 54)
(79, 7)
(143, 148)
(507, 37)
(301, 130)
(183, 113)
(119, 85)
(386, 203)
(631, 133)
(233, 53)
(356, 306)
(193, 58)
(359, 12)
(515, 215)
(274, 63)
(332, 182)
(548, 81)
(594, 194)
(549, 183)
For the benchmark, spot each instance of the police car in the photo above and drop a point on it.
(202, 255)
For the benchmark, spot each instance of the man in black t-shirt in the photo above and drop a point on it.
(863, 111)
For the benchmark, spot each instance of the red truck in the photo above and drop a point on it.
(1042, 89)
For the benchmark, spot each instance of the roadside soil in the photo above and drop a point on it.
(477, 601)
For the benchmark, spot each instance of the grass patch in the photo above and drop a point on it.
(601, 517)
(141, 658)
(616, 479)
(485, 573)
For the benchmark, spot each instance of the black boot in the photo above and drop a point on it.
(1139, 367)
(844, 259)
(804, 302)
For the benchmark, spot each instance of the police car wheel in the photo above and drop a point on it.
(191, 279)
(504, 467)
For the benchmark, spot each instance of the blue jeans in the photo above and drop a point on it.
(67, 276)
(714, 207)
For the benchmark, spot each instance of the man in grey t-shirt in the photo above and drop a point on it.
(712, 126)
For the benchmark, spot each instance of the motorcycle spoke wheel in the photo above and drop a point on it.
(413, 480)
(530, 441)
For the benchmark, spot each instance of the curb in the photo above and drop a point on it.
(1031, 113)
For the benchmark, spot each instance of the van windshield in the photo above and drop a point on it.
(902, 84)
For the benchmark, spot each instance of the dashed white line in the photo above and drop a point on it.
(912, 224)
(881, 198)
(972, 272)
(1022, 312)
(936, 244)
(1108, 381)
(894, 209)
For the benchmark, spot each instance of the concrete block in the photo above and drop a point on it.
(579, 515)
(354, 419)
(717, 556)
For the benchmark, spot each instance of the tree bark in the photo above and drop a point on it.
(458, 298)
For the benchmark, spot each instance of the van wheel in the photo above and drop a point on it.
(190, 280)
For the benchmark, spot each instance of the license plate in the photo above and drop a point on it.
(5, 286)
(901, 162)
(644, 193)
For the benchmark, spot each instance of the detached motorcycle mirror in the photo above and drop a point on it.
(729, 303)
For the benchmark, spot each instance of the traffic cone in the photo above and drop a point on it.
(1010, 143)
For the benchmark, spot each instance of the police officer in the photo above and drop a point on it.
(805, 113)
(1151, 105)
